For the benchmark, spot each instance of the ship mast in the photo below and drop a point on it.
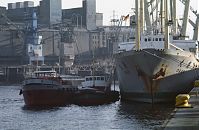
(137, 12)
(166, 22)
(141, 16)
(174, 18)
(185, 19)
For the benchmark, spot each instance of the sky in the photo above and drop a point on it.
(107, 7)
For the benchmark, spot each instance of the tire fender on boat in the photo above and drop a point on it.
(20, 92)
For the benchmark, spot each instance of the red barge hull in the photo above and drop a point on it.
(48, 97)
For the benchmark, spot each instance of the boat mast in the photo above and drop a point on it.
(93, 66)
(174, 18)
(141, 16)
(196, 29)
(147, 17)
(161, 16)
(166, 33)
(137, 12)
(185, 19)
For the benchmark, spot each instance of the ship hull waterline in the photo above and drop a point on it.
(96, 98)
(154, 76)
(48, 96)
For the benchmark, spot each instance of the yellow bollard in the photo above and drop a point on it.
(196, 83)
(182, 101)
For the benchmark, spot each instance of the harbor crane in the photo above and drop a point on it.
(151, 7)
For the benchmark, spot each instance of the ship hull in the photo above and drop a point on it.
(47, 95)
(91, 98)
(47, 98)
(154, 76)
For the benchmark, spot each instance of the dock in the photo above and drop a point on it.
(185, 118)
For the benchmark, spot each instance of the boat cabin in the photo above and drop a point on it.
(98, 82)
(45, 74)
(157, 42)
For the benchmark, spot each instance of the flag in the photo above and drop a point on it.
(126, 17)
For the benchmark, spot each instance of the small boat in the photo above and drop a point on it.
(46, 88)
(96, 90)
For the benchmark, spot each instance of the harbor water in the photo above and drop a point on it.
(115, 116)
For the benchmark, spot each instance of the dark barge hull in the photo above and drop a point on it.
(91, 98)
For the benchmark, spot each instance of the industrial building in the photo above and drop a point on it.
(84, 16)
(50, 12)
(65, 33)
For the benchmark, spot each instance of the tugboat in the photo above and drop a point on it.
(96, 90)
(46, 88)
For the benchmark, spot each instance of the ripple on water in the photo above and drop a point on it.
(14, 115)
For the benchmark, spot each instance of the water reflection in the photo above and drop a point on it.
(117, 115)
(144, 115)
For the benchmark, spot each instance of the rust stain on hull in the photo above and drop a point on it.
(151, 82)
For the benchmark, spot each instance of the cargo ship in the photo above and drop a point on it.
(158, 65)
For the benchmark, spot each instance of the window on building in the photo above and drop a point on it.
(149, 39)
(156, 39)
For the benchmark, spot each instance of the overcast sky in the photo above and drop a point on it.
(121, 7)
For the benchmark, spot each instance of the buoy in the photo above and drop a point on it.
(182, 101)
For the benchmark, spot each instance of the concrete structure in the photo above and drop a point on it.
(13, 52)
(50, 12)
(85, 24)
(2, 11)
(99, 19)
(84, 16)
(66, 54)
(19, 11)
(11, 5)
(20, 14)
(75, 15)
(90, 14)
(184, 118)
(28, 4)
(19, 5)
(82, 41)
(104, 37)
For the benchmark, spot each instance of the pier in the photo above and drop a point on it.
(185, 118)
